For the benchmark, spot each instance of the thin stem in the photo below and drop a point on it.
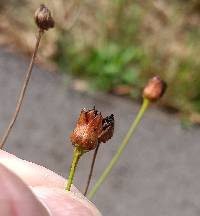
(121, 148)
(22, 92)
(91, 169)
(77, 154)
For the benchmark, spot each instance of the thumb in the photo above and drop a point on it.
(62, 203)
(16, 198)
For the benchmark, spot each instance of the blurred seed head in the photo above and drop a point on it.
(92, 129)
(43, 18)
(108, 129)
(154, 89)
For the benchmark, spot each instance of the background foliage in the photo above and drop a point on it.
(118, 44)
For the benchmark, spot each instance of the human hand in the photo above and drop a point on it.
(27, 189)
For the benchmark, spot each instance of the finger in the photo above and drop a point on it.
(32, 174)
(62, 203)
(16, 198)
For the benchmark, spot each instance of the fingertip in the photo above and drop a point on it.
(24, 169)
(62, 203)
(49, 187)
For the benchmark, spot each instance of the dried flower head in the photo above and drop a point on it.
(43, 18)
(92, 129)
(108, 129)
(154, 89)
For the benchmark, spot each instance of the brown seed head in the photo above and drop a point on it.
(154, 89)
(92, 129)
(108, 129)
(43, 18)
(88, 128)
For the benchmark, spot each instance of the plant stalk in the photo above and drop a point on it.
(77, 154)
(22, 92)
(125, 141)
(91, 169)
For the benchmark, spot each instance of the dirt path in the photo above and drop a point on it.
(159, 173)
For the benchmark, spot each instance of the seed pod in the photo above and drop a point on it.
(92, 129)
(154, 89)
(87, 130)
(108, 129)
(43, 18)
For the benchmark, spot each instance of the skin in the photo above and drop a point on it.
(30, 189)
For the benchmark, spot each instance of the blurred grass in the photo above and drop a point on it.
(118, 44)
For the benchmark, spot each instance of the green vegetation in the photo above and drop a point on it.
(108, 66)
(119, 44)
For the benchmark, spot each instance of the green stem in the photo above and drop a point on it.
(121, 148)
(77, 154)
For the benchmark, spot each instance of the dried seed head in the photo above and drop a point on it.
(43, 18)
(108, 129)
(154, 89)
(92, 129)
(87, 130)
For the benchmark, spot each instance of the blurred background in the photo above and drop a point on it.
(100, 47)
(117, 44)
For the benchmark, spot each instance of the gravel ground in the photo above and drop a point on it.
(159, 172)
